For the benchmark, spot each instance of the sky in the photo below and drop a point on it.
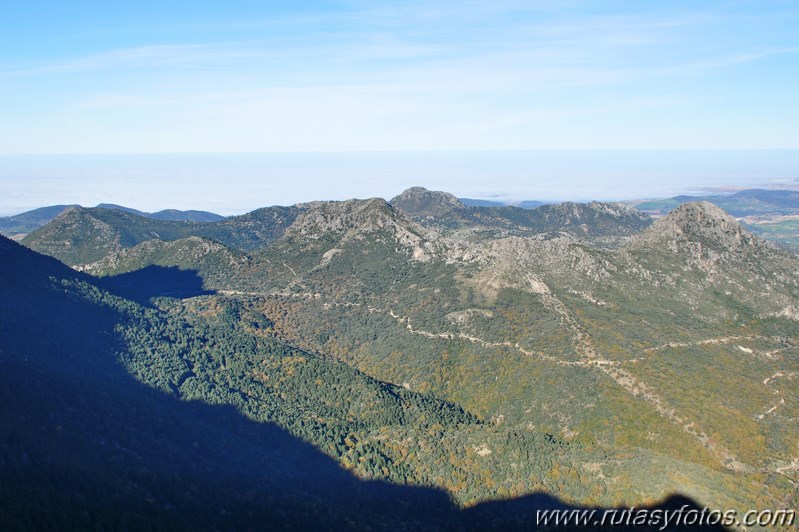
(354, 76)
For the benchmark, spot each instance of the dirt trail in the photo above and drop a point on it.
(792, 466)
(590, 358)
(583, 344)
(239, 293)
(720, 340)
(779, 374)
(768, 381)
(639, 388)
(449, 335)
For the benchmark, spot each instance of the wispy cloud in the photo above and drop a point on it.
(438, 73)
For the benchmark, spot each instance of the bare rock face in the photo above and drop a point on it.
(361, 220)
(354, 218)
(595, 218)
(420, 202)
(621, 211)
(701, 237)
(704, 231)
(373, 220)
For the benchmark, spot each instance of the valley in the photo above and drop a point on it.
(583, 351)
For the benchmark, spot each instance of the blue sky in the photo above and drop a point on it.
(353, 76)
(202, 76)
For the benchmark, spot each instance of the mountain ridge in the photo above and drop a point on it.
(582, 322)
(445, 213)
(26, 222)
(420, 202)
(739, 204)
(114, 409)
(701, 222)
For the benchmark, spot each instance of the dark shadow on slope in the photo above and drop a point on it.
(520, 514)
(80, 452)
(84, 453)
(84, 446)
(157, 281)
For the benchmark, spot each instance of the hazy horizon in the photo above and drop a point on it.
(237, 183)
(232, 106)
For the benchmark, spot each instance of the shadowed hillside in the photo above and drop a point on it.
(85, 445)
(488, 363)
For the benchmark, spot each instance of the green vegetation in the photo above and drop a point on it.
(751, 202)
(487, 367)
(784, 232)
(29, 221)
(84, 236)
(445, 212)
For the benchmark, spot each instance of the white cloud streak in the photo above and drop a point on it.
(383, 75)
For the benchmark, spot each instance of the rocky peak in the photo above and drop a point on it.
(420, 202)
(371, 220)
(352, 217)
(619, 210)
(703, 224)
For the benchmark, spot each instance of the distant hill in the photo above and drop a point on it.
(481, 202)
(750, 202)
(115, 207)
(31, 220)
(596, 219)
(167, 214)
(527, 204)
(420, 202)
(188, 216)
(26, 222)
(771, 214)
(445, 212)
(579, 350)
(83, 236)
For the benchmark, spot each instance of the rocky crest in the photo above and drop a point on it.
(350, 216)
(700, 224)
(375, 219)
(354, 220)
(420, 202)
(446, 213)
(594, 218)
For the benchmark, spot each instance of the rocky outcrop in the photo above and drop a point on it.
(700, 222)
(704, 233)
(420, 202)
(596, 219)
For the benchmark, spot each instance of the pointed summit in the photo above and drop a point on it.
(420, 202)
(700, 223)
